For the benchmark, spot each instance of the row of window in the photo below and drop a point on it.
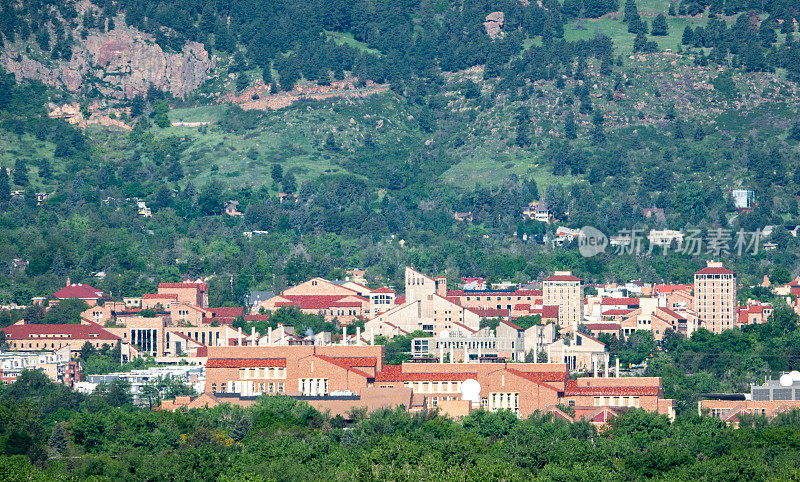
(258, 388)
(261, 373)
(616, 402)
(434, 387)
(312, 386)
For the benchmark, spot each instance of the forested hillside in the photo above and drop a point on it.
(396, 116)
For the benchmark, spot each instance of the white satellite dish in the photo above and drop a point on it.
(795, 375)
(786, 380)
(471, 390)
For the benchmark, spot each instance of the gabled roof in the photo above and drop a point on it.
(573, 388)
(80, 291)
(384, 290)
(226, 312)
(342, 364)
(672, 313)
(394, 373)
(540, 378)
(563, 277)
(620, 301)
(548, 311)
(245, 362)
(200, 286)
(319, 302)
(90, 331)
(616, 312)
(160, 296)
(714, 270)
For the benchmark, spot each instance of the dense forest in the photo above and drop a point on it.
(49, 432)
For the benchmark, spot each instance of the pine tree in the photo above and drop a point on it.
(5, 188)
(660, 27)
(241, 429)
(630, 11)
(570, 129)
(688, 36)
(58, 439)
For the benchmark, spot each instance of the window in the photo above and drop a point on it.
(213, 388)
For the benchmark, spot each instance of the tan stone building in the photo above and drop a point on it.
(715, 297)
(565, 291)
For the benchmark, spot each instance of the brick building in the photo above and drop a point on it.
(715, 297)
(343, 377)
(565, 291)
(24, 337)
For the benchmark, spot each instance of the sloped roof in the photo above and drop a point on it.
(714, 270)
(91, 331)
(384, 290)
(226, 311)
(603, 326)
(620, 301)
(80, 291)
(572, 388)
(200, 286)
(563, 277)
(245, 362)
(318, 302)
(394, 373)
(342, 364)
(160, 296)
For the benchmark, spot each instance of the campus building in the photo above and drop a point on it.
(340, 377)
(715, 297)
(770, 399)
(565, 291)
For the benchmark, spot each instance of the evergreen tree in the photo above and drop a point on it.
(570, 129)
(630, 11)
(58, 439)
(660, 27)
(5, 188)
(688, 36)
(794, 135)
(242, 428)
(277, 172)
(21, 173)
(289, 183)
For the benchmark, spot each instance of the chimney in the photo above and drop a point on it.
(441, 286)
(68, 283)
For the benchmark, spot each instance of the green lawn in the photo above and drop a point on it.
(623, 41)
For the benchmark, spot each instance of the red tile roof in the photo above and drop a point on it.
(245, 362)
(200, 286)
(671, 288)
(548, 311)
(91, 331)
(399, 300)
(512, 325)
(672, 313)
(357, 361)
(160, 296)
(384, 290)
(620, 301)
(394, 373)
(465, 327)
(572, 389)
(540, 378)
(320, 302)
(522, 307)
(715, 270)
(616, 312)
(489, 312)
(226, 311)
(80, 291)
(342, 364)
(563, 277)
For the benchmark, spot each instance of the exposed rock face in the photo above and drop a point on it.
(120, 64)
(494, 24)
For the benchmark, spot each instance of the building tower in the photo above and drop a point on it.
(715, 297)
(565, 291)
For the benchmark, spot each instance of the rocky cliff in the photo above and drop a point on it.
(120, 64)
